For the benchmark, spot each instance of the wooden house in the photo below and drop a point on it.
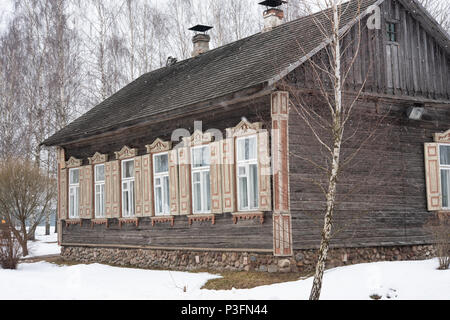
(176, 169)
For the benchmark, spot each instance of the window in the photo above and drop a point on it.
(201, 187)
(444, 160)
(161, 181)
(74, 193)
(99, 177)
(391, 30)
(247, 173)
(128, 188)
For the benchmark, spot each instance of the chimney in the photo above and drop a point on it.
(273, 16)
(200, 40)
(201, 44)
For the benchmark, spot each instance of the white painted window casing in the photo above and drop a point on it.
(247, 173)
(444, 160)
(128, 198)
(99, 185)
(201, 184)
(161, 183)
(74, 193)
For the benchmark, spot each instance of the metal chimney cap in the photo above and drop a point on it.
(272, 3)
(200, 28)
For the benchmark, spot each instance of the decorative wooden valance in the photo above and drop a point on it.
(159, 146)
(244, 128)
(248, 216)
(198, 138)
(73, 222)
(98, 158)
(126, 153)
(196, 217)
(170, 219)
(128, 220)
(99, 221)
(74, 162)
(442, 137)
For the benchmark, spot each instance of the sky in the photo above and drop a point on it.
(6, 10)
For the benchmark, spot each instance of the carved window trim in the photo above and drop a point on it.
(126, 153)
(160, 176)
(74, 162)
(158, 146)
(163, 219)
(202, 217)
(244, 128)
(248, 216)
(98, 158)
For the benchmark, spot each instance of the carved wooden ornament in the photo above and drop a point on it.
(126, 153)
(98, 158)
(159, 146)
(442, 137)
(73, 162)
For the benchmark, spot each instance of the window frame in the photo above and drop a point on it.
(246, 164)
(101, 193)
(390, 33)
(130, 182)
(76, 188)
(161, 176)
(443, 167)
(201, 171)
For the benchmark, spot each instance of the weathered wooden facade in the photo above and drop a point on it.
(240, 92)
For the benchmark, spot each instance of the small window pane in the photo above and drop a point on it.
(128, 169)
(161, 163)
(100, 173)
(200, 157)
(444, 152)
(246, 149)
(445, 184)
(74, 176)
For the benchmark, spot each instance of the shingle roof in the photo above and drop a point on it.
(242, 64)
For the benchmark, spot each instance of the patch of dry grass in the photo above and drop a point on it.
(251, 279)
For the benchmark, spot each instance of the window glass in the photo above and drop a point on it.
(391, 31)
(200, 157)
(128, 169)
(444, 151)
(100, 173)
(445, 185)
(74, 176)
(246, 148)
(161, 163)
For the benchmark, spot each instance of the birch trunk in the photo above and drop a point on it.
(338, 130)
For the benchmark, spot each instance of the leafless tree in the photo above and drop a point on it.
(26, 194)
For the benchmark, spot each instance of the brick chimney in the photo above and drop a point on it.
(201, 43)
(272, 17)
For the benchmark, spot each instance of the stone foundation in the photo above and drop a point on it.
(302, 261)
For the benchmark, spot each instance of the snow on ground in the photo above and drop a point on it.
(44, 245)
(390, 280)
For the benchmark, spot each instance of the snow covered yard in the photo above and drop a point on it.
(44, 245)
(390, 280)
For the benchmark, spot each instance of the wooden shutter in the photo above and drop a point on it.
(173, 181)
(86, 203)
(215, 175)
(147, 189)
(228, 175)
(138, 192)
(265, 203)
(112, 186)
(282, 238)
(432, 173)
(185, 180)
(63, 194)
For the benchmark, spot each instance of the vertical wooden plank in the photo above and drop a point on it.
(433, 180)
(147, 186)
(265, 203)
(138, 187)
(115, 189)
(63, 193)
(185, 180)
(389, 79)
(228, 175)
(215, 177)
(173, 182)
